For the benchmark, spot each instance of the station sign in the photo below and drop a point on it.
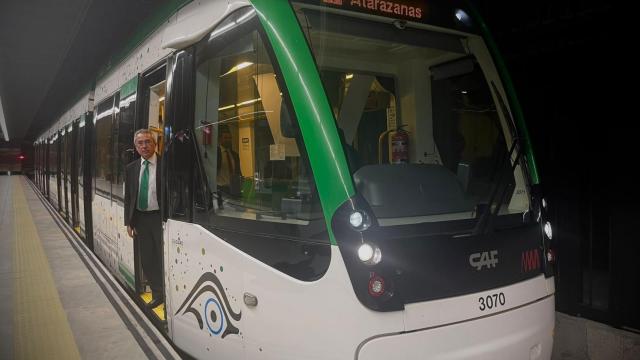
(434, 12)
(408, 9)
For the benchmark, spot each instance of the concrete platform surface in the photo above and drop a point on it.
(55, 301)
(582, 339)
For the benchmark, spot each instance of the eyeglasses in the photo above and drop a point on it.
(144, 142)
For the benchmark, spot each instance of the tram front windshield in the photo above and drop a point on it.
(426, 135)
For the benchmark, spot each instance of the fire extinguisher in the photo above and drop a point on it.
(399, 146)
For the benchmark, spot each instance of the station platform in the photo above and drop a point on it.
(57, 301)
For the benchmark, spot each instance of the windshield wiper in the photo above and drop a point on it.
(485, 223)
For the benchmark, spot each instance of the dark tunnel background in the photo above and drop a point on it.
(565, 63)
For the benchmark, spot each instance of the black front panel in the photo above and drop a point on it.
(441, 266)
(420, 265)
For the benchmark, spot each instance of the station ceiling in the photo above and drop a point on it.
(50, 51)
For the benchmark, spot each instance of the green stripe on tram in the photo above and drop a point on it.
(126, 274)
(310, 103)
(130, 87)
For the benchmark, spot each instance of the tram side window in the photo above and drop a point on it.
(103, 123)
(80, 162)
(123, 143)
(255, 164)
(62, 157)
(53, 160)
(66, 159)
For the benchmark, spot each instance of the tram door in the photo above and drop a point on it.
(45, 177)
(122, 155)
(55, 171)
(105, 241)
(74, 178)
(86, 162)
(62, 179)
(66, 174)
(60, 172)
(151, 115)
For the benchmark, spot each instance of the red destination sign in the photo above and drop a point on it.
(414, 10)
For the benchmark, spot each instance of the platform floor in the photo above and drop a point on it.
(57, 301)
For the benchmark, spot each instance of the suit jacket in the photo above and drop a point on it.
(132, 182)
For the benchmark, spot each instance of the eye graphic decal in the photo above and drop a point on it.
(216, 312)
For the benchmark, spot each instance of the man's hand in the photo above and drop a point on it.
(131, 231)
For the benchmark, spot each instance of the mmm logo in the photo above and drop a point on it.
(530, 260)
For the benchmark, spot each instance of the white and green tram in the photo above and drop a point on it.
(342, 179)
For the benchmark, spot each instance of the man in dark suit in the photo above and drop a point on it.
(142, 210)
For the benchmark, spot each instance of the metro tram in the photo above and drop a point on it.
(381, 199)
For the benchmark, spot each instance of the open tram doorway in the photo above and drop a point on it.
(151, 115)
(155, 114)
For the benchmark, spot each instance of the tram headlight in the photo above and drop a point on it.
(548, 230)
(369, 254)
(356, 219)
(359, 220)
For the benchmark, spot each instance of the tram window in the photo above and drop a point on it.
(123, 143)
(253, 171)
(53, 161)
(103, 124)
(66, 159)
(80, 152)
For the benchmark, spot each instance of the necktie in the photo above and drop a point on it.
(144, 188)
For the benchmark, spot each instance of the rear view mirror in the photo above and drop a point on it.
(464, 175)
(452, 69)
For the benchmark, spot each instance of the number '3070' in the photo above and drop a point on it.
(491, 301)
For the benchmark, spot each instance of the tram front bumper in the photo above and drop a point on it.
(522, 333)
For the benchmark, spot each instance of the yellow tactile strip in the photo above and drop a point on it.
(41, 329)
